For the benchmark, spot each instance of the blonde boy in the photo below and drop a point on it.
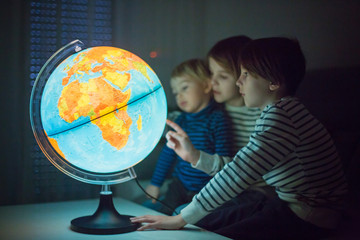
(207, 126)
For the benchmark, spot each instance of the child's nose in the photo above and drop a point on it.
(178, 96)
(213, 81)
(239, 81)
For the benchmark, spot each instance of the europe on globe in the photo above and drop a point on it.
(103, 109)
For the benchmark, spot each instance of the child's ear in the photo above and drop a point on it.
(274, 86)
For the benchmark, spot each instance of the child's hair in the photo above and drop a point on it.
(226, 53)
(196, 68)
(279, 60)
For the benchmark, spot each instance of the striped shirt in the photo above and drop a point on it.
(243, 123)
(209, 130)
(291, 151)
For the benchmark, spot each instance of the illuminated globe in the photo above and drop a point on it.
(97, 112)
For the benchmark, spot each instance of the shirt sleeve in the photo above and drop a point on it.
(211, 164)
(274, 138)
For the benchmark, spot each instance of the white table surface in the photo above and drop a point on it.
(51, 221)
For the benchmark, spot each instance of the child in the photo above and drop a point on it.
(223, 59)
(290, 149)
(208, 128)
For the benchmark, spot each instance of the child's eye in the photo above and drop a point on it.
(184, 88)
(223, 76)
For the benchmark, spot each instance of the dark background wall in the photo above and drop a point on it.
(328, 31)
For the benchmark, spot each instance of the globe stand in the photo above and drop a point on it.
(106, 220)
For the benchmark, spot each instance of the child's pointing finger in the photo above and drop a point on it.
(175, 126)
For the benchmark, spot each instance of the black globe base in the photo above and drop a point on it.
(106, 220)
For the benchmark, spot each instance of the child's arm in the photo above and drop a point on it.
(182, 145)
(153, 191)
(252, 162)
(164, 164)
(211, 163)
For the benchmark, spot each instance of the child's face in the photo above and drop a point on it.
(256, 91)
(192, 95)
(224, 85)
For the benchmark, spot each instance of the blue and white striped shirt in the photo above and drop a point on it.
(209, 130)
(293, 152)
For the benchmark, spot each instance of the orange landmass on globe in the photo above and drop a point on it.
(97, 98)
(105, 105)
(110, 61)
(55, 145)
(139, 123)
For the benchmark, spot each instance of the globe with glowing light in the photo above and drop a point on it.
(96, 112)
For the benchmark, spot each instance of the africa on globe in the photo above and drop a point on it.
(103, 110)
